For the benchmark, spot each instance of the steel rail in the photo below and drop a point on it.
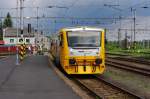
(84, 87)
(134, 69)
(118, 86)
(140, 61)
(98, 95)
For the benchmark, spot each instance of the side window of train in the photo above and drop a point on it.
(61, 40)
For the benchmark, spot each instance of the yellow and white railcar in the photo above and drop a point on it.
(81, 50)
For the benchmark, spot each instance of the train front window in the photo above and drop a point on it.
(84, 39)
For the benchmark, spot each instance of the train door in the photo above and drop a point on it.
(61, 48)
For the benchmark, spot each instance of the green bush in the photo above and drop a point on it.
(112, 46)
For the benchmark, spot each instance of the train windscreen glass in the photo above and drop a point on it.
(84, 38)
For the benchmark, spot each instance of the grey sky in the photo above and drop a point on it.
(83, 7)
(78, 8)
(77, 3)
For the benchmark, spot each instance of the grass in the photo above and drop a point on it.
(138, 52)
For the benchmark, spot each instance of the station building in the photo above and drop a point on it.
(37, 40)
(10, 37)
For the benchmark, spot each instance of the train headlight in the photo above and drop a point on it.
(71, 51)
(98, 61)
(72, 61)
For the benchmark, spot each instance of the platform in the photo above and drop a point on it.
(33, 79)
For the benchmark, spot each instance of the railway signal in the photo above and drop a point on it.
(21, 52)
(24, 49)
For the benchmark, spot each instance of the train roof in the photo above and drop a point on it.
(79, 28)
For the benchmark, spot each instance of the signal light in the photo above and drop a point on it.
(98, 61)
(72, 61)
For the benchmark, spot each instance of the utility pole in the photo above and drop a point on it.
(119, 33)
(17, 49)
(37, 41)
(37, 18)
(21, 17)
(115, 7)
(119, 36)
(21, 27)
(134, 27)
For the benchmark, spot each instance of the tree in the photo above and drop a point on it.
(1, 34)
(7, 21)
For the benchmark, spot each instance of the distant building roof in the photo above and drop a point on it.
(12, 32)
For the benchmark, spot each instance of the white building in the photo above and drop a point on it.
(10, 37)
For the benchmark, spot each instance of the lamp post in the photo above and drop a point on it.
(134, 28)
(17, 55)
(21, 17)
(37, 24)
(28, 25)
(133, 10)
(21, 27)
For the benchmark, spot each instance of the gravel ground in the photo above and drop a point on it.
(133, 81)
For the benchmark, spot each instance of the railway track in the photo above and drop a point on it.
(99, 88)
(128, 58)
(115, 54)
(125, 53)
(131, 59)
(129, 66)
(102, 89)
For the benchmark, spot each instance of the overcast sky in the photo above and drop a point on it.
(77, 8)
(83, 7)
